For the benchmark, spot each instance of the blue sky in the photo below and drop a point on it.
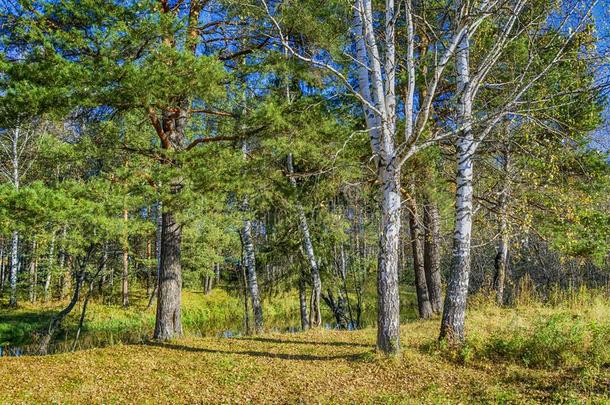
(602, 22)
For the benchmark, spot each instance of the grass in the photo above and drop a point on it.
(202, 316)
(527, 354)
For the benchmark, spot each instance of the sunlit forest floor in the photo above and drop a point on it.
(527, 353)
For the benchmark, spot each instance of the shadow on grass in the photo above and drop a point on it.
(305, 342)
(283, 356)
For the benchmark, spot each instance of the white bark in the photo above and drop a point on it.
(250, 264)
(315, 314)
(14, 267)
(15, 239)
(250, 259)
(454, 311)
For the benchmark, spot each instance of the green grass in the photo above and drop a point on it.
(554, 352)
(526, 354)
(202, 315)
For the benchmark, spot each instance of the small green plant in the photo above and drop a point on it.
(558, 341)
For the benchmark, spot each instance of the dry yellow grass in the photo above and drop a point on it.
(312, 367)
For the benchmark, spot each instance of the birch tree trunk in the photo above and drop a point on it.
(421, 287)
(315, 314)
(432, 258)
(13, 269)
(250, 264)
(303, 303)
(125, 273)
(454, 311)
(388, 300)
(15, 236)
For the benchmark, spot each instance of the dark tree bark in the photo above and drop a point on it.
(149, 281)
(501, 260)
(421, 288)
(338, 307)
(50, 260)
(55, 323)
(33, 273)
(2, 266)
(81, 321)
(168, 323)
(432, 257)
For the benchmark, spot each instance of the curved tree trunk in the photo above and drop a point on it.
(315, 314)
(432, 258)
(55, 323)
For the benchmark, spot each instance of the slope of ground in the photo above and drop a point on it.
(520, 355)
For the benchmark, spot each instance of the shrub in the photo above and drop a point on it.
(561, 340)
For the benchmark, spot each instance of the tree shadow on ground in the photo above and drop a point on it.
(304, 342)
(253, 353)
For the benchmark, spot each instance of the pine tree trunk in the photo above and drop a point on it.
(62, 261)
(388, 300)
(168, 322)
(454, 310)
(250, 264)
(2, 266)
(55, 323)
(66, 278)
(148, 267)
(421, 288)
(33, 273)
(432, 258)
(501, 260)
(47, 281)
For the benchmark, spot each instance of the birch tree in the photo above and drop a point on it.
(17, 149)
(250, 260)
(372, 63)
